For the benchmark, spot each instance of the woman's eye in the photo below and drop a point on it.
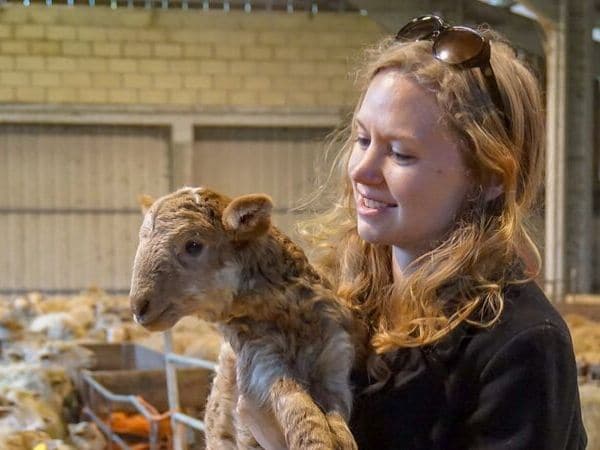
(363, 142)
(400, 157)
(193, 248)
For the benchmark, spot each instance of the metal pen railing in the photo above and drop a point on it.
(179, 420)
(131, 400)
(100, 402)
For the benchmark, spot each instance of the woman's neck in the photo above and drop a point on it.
(401, 259)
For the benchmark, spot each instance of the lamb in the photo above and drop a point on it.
(86, 436)
(82, 436)
(104, 323)
(24, 410)
(22, 440)
(586, 338)
(57, 325)
(589, 394)
(28, 306)
(51, 384)
(290, 343)
(10, 325)
(65, 354)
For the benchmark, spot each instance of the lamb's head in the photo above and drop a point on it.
(86, 436)
(186, 258)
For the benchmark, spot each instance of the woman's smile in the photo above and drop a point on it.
(367, 206)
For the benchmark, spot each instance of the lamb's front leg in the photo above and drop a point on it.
(303, 423)
(223, 430)
(218, 417)
(343, 436)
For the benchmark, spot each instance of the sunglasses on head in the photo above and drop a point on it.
(459, 46)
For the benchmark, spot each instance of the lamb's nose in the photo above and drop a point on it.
(140, 308)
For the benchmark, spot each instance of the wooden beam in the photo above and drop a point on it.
(524, 33)
(393, 14)
(544, 9)
(596, 60)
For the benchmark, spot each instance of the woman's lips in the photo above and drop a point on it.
(368, 206)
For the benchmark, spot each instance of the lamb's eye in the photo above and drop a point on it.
(193, 248)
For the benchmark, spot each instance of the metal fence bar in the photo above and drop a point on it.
(128, 399)
(105, 429)
(178, 419)
(189, 421)
(188, 361)
(173, 394)
(105, 392)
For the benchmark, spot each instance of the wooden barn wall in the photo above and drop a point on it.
(68, 203)
(282, 162)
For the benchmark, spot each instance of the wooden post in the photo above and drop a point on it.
(182, 150)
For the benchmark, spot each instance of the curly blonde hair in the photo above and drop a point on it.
(463, 277)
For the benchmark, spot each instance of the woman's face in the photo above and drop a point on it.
(408, 177)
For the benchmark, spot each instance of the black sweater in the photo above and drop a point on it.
(511, 386)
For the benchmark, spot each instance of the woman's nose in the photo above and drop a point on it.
(367, 167)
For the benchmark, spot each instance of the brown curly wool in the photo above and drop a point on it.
(290, 343)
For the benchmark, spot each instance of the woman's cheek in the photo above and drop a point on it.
(442, 206)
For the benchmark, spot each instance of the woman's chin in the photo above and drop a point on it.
(370, 235)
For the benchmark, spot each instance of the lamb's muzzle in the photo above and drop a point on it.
(140, 307)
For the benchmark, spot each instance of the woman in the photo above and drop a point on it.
(428, 241)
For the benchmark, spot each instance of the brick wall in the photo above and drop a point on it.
(185, 59)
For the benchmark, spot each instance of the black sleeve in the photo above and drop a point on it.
(529, 397)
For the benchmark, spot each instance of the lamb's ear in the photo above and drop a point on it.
(145, 201)
(248, 216)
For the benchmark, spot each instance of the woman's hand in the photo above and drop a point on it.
(262, 424)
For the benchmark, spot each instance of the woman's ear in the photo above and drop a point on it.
(248, 216)
(494, 188)
(493, 192)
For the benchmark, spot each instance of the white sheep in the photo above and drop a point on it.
(10, 323)
(52, 384)
(590, 412)
(23, 440)
(65, 354)
(58, 325)
(86, 436)
(24, 410)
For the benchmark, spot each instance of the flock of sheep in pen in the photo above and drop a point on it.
(40, 359)
(42, 353)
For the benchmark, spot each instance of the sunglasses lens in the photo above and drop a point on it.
(457, 46)
(420, 28)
